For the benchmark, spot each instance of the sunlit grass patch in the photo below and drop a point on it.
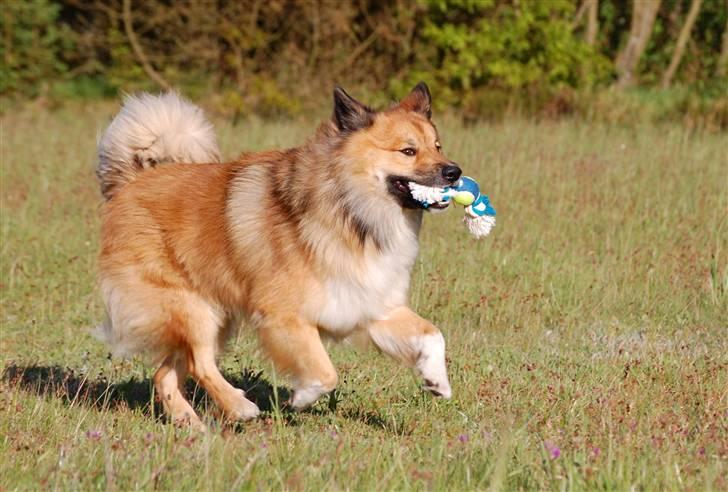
(586, 335)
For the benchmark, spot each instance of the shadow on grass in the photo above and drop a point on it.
(137, 394)
(394, 426)
(77, 389)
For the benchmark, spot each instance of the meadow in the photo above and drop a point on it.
(587, 335)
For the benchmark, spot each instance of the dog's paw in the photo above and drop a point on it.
(431, 365)
(243, 409)
(304, 397)
(191, 422)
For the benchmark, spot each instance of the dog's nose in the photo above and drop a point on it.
(451, 173)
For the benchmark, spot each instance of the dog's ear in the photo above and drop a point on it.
(349, 114)
(419, 100)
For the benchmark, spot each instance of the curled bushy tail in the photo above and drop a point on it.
(151, 130)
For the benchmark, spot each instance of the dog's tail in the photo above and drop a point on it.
(151, 130)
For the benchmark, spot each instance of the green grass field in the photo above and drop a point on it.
(587, 336)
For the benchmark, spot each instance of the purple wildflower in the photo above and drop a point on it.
(463, 438)
(93, 435)
(552, 449)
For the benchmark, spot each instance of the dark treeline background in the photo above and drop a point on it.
(618, 59)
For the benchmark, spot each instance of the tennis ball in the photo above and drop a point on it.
(464, 198)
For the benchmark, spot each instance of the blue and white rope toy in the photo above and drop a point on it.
(479, 214)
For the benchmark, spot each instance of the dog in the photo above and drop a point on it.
(299, 244)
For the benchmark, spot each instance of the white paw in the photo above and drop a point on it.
(244, 409)
(307, 395)
(431, 365)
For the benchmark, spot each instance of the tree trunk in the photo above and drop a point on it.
(592, 26)
(580, 13)
(723, 59)
(643, 20)
(682, 40)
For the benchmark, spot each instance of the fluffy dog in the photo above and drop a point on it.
(315, 240)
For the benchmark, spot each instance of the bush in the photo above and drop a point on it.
(32, 47)
(510, 45)
(489, 58)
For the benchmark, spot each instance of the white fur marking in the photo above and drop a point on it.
(367, 295)
(431, 363)
(245, 409)
(304, 397)
(364, 288)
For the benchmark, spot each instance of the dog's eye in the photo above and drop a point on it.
(438, 146)
(409, 151)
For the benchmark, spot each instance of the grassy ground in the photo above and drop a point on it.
(587, 335)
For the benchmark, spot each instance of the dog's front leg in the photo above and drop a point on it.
(417, 343)
(296, 350)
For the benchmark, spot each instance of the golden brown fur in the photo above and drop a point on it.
(303, 242)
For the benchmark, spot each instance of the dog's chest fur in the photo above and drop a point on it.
(345, 286)
(363, 288)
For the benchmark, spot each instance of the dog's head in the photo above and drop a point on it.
(386, 150)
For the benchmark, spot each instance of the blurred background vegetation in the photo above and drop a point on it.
(613, 60)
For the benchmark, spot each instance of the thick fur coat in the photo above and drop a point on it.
(310, 241)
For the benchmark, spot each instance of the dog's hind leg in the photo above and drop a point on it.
(297, 351)
(417, 343)
(231, 400)
(169, 382)
(196, 327)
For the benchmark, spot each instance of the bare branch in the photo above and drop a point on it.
(148, 68)
(359, 50)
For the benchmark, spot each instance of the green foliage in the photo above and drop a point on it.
(32, 47)
(488, 58)
(82, 87)
(123, 69)
(273, 100)
(509, 44)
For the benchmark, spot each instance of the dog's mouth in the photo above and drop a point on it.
(398, 187)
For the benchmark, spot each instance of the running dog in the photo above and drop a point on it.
(299, 243)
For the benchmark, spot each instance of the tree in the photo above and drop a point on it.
(592, 25)
(723, 60)
(682, 40)
(643, 20)
(32, 46)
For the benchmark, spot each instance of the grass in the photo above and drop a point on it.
(587, 336)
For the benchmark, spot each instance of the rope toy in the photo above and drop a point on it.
(479, 214)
